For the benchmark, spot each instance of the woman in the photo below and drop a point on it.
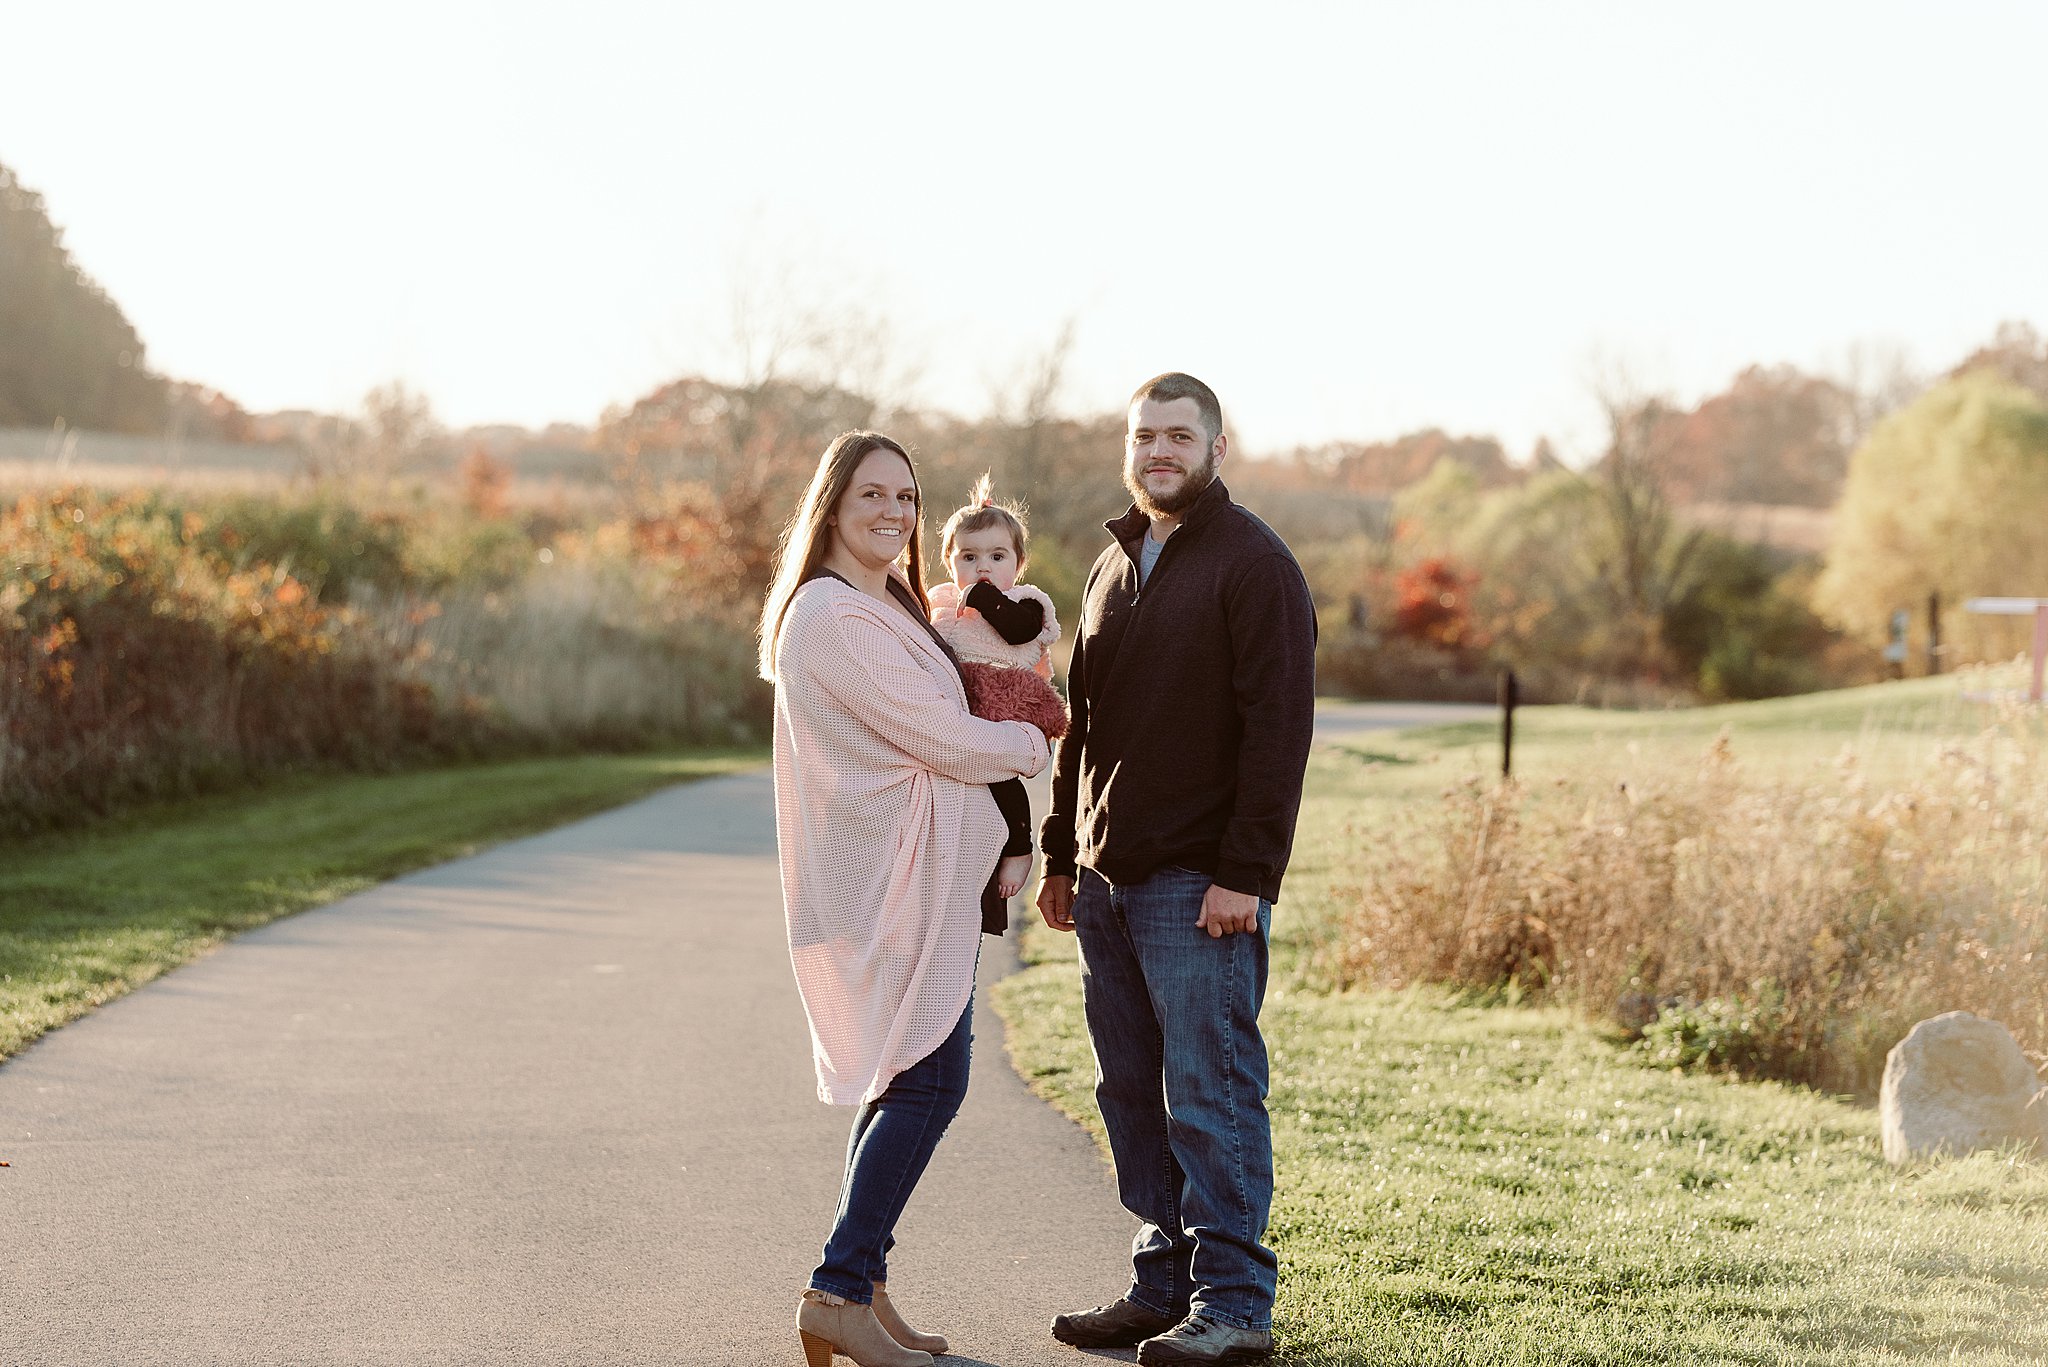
(888, 835)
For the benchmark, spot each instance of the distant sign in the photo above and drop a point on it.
(2036, 608)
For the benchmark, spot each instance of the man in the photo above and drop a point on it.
(1173, 806)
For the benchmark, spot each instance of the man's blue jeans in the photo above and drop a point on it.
(1181, 1078)
(892, 1142)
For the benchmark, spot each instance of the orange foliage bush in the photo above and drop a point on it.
(138, 662)
(1435, 605)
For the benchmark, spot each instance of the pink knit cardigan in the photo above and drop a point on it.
(886, 831)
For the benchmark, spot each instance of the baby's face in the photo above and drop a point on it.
(988, 554)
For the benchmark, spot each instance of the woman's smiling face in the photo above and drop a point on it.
(877, 515)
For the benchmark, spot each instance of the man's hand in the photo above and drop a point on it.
(1056, 901)
(1223, 912)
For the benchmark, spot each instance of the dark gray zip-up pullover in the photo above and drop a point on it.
(1193, 704)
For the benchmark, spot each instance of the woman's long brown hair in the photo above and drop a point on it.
(808, 535)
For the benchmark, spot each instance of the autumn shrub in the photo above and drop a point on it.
(1387, 634)
(1435, 606)
(1790, 928)
(449, 549)
(140, 663)
(152, 648)
(1743, 628)
(331, 545)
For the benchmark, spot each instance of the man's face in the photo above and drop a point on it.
(1168, 457)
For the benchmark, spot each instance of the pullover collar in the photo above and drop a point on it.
(1134, 524)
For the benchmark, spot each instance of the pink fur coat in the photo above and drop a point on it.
(1005, 682)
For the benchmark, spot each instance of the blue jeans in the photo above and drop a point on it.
(1181, 1079)
(892, 1142)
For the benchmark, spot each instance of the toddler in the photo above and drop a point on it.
(1000, 629)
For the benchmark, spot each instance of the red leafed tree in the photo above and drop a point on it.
(1434, 604)
(1774, 435)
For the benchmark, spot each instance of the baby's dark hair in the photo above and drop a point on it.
(981, 513)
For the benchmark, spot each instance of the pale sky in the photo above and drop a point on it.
(1352, 221)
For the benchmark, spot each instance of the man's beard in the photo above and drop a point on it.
(1199, 477)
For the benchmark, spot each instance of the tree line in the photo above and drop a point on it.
(67, 352)
(69, 355)
(1438, 558)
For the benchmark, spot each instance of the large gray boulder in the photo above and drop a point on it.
(1958, 1083)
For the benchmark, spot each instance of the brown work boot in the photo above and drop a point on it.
(1201, 1340)
(1123, 1323)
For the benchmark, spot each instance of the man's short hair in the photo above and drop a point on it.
(1174, 385)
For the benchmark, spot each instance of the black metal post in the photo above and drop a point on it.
(1507, 722)
(1934, 632)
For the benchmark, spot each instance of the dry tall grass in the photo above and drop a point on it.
(586, 652)
(1793, 928)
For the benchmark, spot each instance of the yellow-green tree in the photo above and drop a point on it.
(1948, 496)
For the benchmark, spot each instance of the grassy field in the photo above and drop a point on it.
(87, 916)
(1475, 1184)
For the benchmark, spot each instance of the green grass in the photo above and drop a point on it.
(89, 915)
(1468, 1184)
(1887, 723)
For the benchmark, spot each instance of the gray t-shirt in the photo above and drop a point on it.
(1148, 556)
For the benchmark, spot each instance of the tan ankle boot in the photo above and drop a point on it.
(885, 1311)
(830, 1324)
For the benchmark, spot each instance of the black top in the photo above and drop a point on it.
(1193, 705)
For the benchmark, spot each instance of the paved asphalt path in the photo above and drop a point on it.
(549, 1105)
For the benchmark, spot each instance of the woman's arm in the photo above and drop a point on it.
(865, 666)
